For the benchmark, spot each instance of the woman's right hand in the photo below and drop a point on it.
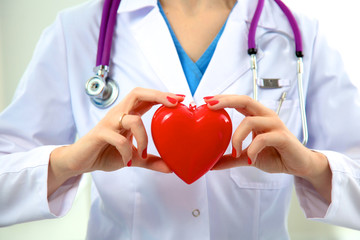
(109, 146)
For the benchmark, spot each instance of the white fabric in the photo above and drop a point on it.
(50, 107)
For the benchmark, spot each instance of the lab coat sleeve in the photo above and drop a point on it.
(38, 120)
(333, 109)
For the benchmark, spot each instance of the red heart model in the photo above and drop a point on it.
(191, 140)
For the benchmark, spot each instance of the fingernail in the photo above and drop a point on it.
(144, 154)
(208, 97)
(233, 153)
(129, 163)
(172, 100)
(249, 161)
(213, 102)
(180, 95)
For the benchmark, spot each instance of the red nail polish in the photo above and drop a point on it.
(233, 153)
(172, 100)
(180, 95)
(144, 154)
(208, 97)
(213, 102)
(249, 161)
(129, 163)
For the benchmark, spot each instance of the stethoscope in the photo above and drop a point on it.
(103, 91)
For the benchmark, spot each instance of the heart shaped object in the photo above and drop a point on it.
(191, 140)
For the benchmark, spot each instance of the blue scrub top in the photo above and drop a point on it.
(193, 71)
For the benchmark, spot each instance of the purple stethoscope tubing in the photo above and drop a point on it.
(294, 26)
(103, 25)
(253, 27)
(108, 21)
(292, 21)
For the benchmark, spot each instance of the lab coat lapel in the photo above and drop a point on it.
(154, 39)
(229, 62)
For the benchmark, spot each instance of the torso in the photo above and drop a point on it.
(127, 203)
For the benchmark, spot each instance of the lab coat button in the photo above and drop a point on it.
(196, 213)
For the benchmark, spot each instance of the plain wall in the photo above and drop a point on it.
(21, 23)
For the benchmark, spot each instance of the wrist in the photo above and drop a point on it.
(60, 163)
(59, 170)
(320, 175)
(318, 164)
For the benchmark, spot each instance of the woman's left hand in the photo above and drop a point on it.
(274, 149)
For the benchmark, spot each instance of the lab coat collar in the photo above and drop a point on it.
(247, 9)
(272, 17)
(133, 5)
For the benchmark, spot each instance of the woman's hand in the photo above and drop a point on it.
(109, 146)
(274, 149)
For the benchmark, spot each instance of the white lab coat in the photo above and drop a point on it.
(50, 108)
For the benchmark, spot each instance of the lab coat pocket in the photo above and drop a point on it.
(253, 178)
(289, 113)
(286, 109)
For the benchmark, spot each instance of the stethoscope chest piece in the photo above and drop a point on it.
(102, 90)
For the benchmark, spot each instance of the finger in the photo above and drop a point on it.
(180, 97)
(135, 125)
(227, 161)
(121, 143)
(261, 141)
(154, 97)
(152, 162)
(141, 100)
(248, 125)
(242, 103)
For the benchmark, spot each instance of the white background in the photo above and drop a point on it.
(21, 23)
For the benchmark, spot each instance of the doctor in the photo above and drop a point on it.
(135, 195)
